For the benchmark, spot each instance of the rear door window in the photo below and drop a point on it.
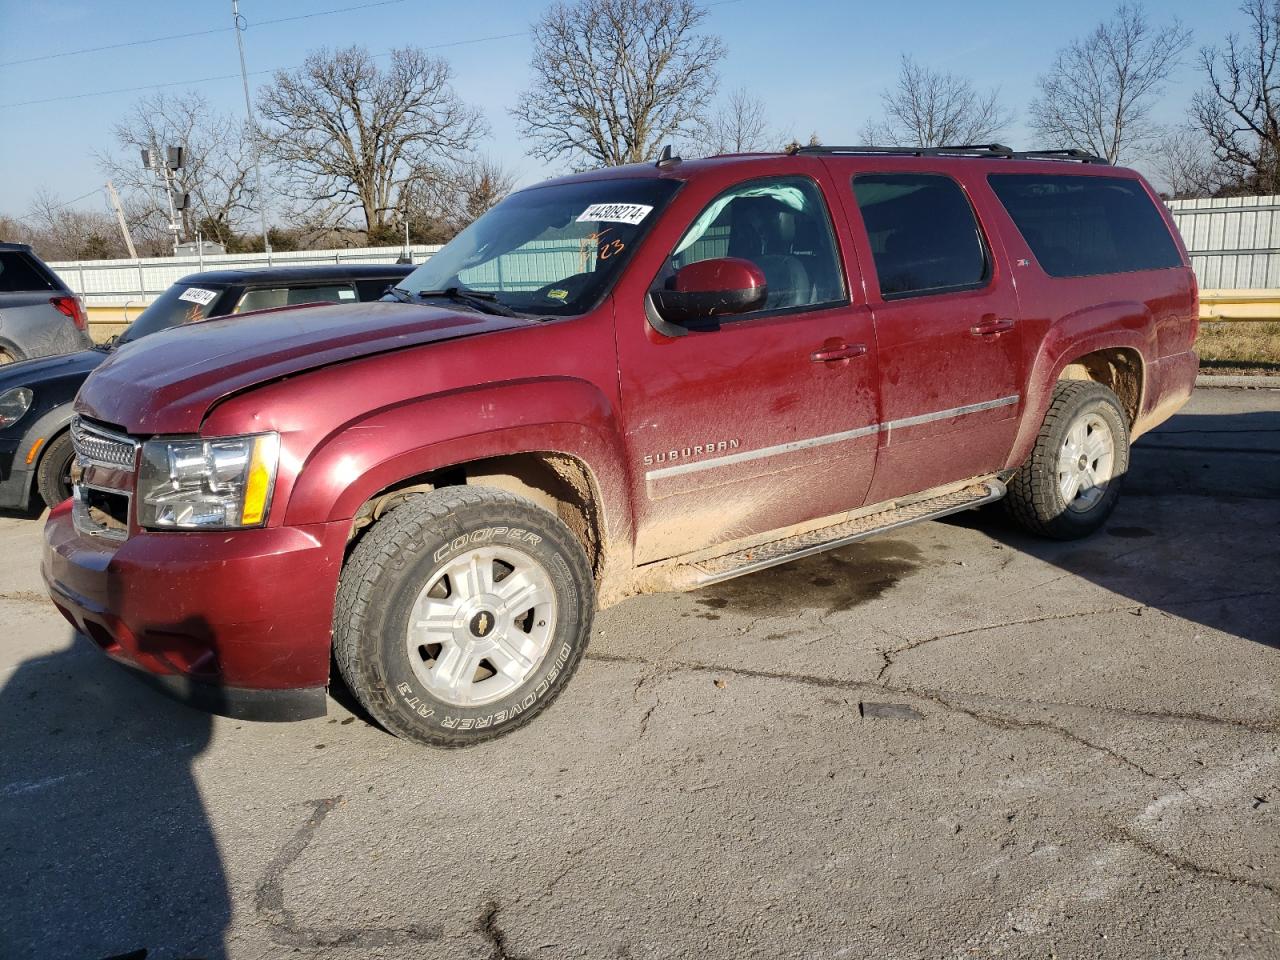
(1084, 226)
(924, 236)
(265, 297)
(19, 274)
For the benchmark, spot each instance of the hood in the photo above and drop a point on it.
(42, 370)
(167, 382)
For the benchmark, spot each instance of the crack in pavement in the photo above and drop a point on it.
(269, 901)
(1120, 835)
(26, 596)
(489, 929)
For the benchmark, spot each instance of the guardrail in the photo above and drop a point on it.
(1240, 306)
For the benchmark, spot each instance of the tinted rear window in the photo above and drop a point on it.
(923, 234)
(1085, 226)
(19, 274)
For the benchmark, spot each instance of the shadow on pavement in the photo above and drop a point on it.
(1196, 528)
(105, 843)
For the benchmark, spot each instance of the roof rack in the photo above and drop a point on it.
(977, 150)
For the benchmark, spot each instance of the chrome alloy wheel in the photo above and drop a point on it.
(481, 626)
(1086, 463)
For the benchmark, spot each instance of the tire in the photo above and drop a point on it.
(1068, 488)
(6, 357)
(485, 668)
(53, 475)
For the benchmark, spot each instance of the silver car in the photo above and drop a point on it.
(39, 315)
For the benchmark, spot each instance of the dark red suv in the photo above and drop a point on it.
(636, 379)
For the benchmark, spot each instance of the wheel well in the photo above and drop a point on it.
(1119, 369)
(560, 484)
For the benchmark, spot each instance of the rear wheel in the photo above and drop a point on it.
(53, 476)
(1070, 484)
(461, 615)
(6, 357)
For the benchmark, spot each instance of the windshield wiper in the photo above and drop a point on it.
(109, 344)
(476, 299)
(401, 294)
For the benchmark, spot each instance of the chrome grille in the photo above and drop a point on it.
(100, 447)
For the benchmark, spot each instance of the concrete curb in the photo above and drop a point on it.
(1255, 382)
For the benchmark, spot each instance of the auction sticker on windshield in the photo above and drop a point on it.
(631, 213)
(198, 295)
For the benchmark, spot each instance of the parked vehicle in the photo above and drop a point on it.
(635, 379)
(36, 396)
(39, 315)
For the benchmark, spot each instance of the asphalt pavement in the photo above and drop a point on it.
(954, 741)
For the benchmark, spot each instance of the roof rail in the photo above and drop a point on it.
(976, 150)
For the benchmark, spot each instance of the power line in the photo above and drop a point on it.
(258, 73)
(193, 33)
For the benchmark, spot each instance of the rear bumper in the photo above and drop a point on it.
(235, 622)
(1170, 381)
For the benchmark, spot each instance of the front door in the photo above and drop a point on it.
(769, 420)
(946, 326)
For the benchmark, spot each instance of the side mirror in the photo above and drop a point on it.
(703, 292)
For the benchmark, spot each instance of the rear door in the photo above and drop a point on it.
(945, 310)
(748, 428)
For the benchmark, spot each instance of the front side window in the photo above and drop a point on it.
(549, 251)
(266, 297)
(1084, 226)
(924, 237)
(782, 226)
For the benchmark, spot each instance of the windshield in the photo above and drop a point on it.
(178, 305)
(549, 251)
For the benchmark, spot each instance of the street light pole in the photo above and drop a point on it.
(253, 128)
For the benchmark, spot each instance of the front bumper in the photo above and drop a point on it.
(15, 477)
(235, 622)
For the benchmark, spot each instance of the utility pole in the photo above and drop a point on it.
(124, 227)
(253, 128)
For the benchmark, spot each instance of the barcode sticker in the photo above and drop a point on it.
(198, 295)
(631, 213)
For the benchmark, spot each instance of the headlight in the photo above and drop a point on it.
(13, 404)
(207, 484)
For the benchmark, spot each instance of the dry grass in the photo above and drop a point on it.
(1230, 346)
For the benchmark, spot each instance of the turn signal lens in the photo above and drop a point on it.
(262, 470)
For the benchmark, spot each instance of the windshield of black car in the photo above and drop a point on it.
(549, 251)
(181, 303)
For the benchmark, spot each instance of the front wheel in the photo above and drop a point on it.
(53, 476)
(461, 615)
(1070, 484)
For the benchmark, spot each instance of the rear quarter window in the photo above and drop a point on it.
(1080, 226)
(19, 274)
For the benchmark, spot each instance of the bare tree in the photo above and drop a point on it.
(1099, 91)
(61, 232)
(1239, 110)
(347, 137)
(217, 169)
(926, 108)
(1182, 159)
(441, 203)
(739, 125)
(615, 79)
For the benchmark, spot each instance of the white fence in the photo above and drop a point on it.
(119, 283)
(1234, 243)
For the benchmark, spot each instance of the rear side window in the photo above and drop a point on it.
(263, 298)
(1085, 226)
(19, 274)
(924, 237)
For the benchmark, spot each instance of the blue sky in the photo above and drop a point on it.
(817, 64)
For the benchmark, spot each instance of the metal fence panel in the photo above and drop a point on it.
(1234, 242)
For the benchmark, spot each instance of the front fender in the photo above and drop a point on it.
(387, 446)
(1110, 326)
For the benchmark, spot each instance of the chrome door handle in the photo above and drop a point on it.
(832, 353)
(991, 326)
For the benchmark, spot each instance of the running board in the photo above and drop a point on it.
(772, 553)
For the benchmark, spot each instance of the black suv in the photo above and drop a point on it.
(36, 396)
